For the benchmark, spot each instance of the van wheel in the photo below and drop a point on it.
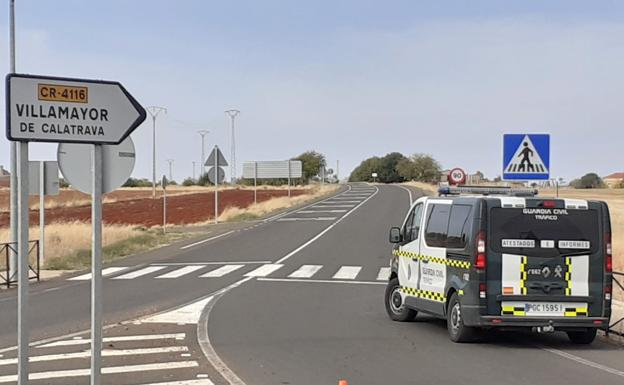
(458, 332)
(397, 311)
(583, 338)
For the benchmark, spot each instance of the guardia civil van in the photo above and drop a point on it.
(485, 258)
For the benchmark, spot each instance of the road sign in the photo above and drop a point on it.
(216, 153)
(52, 109)
(212, 176)
(273, 169)
(457, 176)
(374, 175)
(526, 156)
(117, 161)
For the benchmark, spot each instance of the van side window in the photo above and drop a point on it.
(459, 227)
(412, 225)
(437, 225)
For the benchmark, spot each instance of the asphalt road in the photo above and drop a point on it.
(294, 300)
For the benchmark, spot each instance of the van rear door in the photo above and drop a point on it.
(546, 258)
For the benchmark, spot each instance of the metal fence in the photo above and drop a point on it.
(618, 280)
(6, 249)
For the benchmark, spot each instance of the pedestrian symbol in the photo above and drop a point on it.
(526, 157)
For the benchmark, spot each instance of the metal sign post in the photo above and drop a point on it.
(216, 182)
(42, 210)
(96, 265)
(23, 330)
(289, 174)
(164, 187)
(255, 182)
(216, 175)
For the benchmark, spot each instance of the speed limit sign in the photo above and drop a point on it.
(457, 176)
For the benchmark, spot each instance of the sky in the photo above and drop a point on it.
(350, 79)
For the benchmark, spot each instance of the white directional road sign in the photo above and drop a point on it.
(273, 169)
(51, 109)
(117, 164)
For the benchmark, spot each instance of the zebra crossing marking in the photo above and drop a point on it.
(294, 219)
(384, 274)
(181, 271)
(145, 337)
(347, 272)
(105, 272)
(306, 271)
(141, 272)
(264, 270)
(221, 271)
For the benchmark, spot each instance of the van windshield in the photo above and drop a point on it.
(543, 231)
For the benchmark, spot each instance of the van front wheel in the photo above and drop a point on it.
(395, 306)
(458, 332)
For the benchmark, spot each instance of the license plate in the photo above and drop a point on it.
(540, 309)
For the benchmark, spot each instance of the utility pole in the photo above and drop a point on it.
(232, 113)
(338, 171)
(170, 161)
(202, 166)
(194, 171)
(154, 111)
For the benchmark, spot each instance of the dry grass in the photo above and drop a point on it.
(65, 239)
(428, 188)
(615, 200)
(263, 208)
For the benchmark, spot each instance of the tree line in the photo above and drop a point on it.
(396, 167)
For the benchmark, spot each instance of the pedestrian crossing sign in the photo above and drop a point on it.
(526, 157)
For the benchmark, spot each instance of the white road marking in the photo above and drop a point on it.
(208, 263)
(107, 370)
(200, 381)
(306, 219)
(181, 271)
(306, 271)
(206, 240)
(320, 281)
(145, 337)
(140, 272)
(347, 272)
(321, 211)
(105, 353)
(411, 197)
(332, 206)
(384, 274)
(221, 271)
(105, 272)
(188, 314)
(264, 270)
(583, 361)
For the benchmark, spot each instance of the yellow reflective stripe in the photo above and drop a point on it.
(448, 262)
(430, 295)
(511, 310)
(575, 312)
(523, 276)
(568, 276)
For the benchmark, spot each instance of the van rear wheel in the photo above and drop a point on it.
(395, 306)
(458, 332)
(583, 337)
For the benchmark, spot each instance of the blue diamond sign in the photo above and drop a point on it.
(526, 157)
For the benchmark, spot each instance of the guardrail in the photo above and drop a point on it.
(618, 279)
(6, 249)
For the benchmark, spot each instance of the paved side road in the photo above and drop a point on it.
(315, 329)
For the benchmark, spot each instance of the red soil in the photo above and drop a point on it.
(181, 209)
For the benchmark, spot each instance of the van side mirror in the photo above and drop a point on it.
(395, 235)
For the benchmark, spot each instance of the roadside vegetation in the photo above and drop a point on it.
(396, 168)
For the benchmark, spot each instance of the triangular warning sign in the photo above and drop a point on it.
(216, 154)
(526, 160)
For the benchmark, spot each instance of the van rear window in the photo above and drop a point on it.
(543, 232)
